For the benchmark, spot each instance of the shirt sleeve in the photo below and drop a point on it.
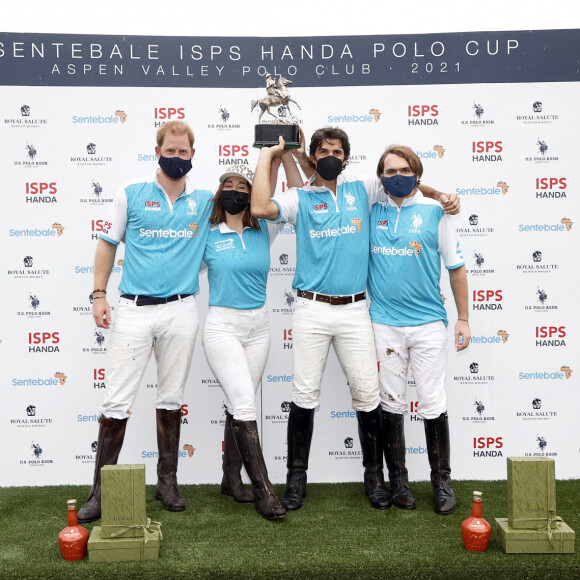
(449, 247)
(116, 222)
(287, 202)
(273, 228)
(375, 190)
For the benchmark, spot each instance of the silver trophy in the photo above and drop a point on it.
(284, 123)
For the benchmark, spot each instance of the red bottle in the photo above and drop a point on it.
(73, 539)
(475, 530)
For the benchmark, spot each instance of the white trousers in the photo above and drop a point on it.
(348, 327)
(169, 330)
(236, 344)
(425, 349)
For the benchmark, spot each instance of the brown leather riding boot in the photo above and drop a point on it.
(248, 442)
(168, 428)
(109, 443)
(231, 465)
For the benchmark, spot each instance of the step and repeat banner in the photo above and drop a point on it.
(494, 118)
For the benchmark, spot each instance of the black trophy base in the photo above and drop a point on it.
(266, 135)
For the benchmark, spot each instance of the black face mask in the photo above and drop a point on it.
(329, 167)
(174, 167)
(234, 201)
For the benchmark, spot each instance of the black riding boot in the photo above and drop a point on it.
(246, 437)
(300, 426)
(231, 465)
(109, 443)
(394, 444)
(438, 449)
(168, 428)
(369, 429)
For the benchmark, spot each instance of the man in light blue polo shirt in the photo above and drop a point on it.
(163, 221)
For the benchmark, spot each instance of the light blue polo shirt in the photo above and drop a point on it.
(406, 247)
(238, 265)
(332, 235)
(164, 242)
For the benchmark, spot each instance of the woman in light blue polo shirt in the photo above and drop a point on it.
(236, 332)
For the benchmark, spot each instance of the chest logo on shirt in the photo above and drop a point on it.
(194, 228)
(358, 223)
(383, 225)
(416, 246)
(227, 244)
(152, 205)
(191, 203)
(321, 208)
(350, 201)
(417, 222)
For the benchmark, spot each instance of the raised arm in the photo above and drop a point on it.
(458, 281)
(261, 204)
(104, 261)
(449, 201)
(303, 159)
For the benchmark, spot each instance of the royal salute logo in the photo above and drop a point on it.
(25, 120)
(536, 115)
(284, 269)
(480, 415)
(27, 270)
(281, 416)
(347, 451)
(30, 420)
(542, 154)
(551, 187)
(536, 265)
(88, 453)
(475, 229)
(543, 303)
(475, 377)
(536, 411)
(541, 448)
(34, 310)
(223, 122)
(91, 158)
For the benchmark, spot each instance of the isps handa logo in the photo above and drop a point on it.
(550, 335)
(541, 448)
(551, 187)
(536, 411)
(40, 192)
(422, 115)
(479, 413)
(487, 447)
(347, 451)
(38, 456)
(43, 342)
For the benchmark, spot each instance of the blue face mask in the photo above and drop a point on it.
(174, 167)
(400, 185)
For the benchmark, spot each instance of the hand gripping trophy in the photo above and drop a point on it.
(285, 124)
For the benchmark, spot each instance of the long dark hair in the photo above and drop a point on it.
(218, 215)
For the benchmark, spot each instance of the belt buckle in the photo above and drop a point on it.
(335, 300)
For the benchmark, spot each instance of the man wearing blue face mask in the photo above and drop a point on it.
(409, 236)
(331, 217)
(163, 221)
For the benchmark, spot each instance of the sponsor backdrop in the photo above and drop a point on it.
(493, 117)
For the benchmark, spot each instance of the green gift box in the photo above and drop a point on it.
(531, 492)
(559, 540)
(123, 513)
(124, 549)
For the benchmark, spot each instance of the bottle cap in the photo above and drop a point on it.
(477, 495)
(71, 504)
